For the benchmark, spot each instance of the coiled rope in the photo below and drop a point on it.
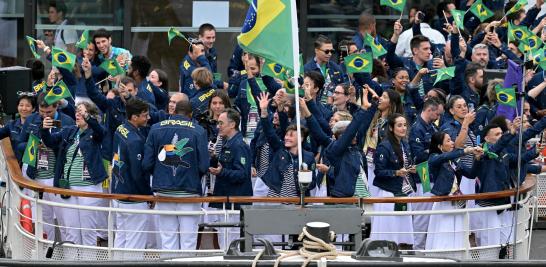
(327, 251)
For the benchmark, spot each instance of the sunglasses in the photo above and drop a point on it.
(331, 51)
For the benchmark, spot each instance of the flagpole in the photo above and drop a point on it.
(296, 61)
(401, 14)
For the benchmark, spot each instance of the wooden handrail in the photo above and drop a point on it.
(16, 175)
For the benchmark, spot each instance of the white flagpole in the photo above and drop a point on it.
(296, 61)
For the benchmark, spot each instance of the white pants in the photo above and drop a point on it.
(130, 227)
(398, 229)
(74, 219)
(420, 222)
(48, 214)
(446, 231)
(225, 234)
(374, 190)
(489, 232)
(178, 232)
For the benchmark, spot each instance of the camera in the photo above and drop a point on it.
(421, 16)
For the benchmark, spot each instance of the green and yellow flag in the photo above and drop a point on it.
(481, 11)
(424, 175)
(506, 96)
(112, 67)
(458, 18)
(488, 153)
(273, 69)
(396, 4)
(519, 5)
(249, 97)
(263, 28)
(84, 40)
(32, 44)
(357, 63)
(175, 33)
(58, 92)
(63, 59)
(517, 32)
(377, 48)
(532, 42)
(536, 56)
(31, 150)
(444, 74)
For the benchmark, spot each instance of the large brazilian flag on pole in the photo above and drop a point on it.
(267, 29)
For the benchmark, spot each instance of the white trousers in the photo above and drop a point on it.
(488, 230)
(420, 222)
(48, 214)
(446, 231)
(398, 229)
(374, 190)
(74, 220)
(178, 232)
(130, 227)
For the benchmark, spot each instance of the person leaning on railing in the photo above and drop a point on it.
(446, 231)
(394, 172)
(79, 167)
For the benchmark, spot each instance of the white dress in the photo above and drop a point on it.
(446, 231)
(398, 229)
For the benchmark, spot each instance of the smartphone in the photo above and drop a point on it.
(57, 124)
(344, 51)
(491, 29)
(213, 161)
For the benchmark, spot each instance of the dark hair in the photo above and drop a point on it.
(42, 103)
(346, 88)
(452, 101)
(391, 120)
(206, 27)
(513, 16)
(395, 102)
(163, 78)
(37, 68)
(471, 70)
(101, 33)
(316, 77)
(436, 140)
(127, 80)
(379, 69)
(183, 107)
(500, 121)
(222, 95)
(322, 39)
(59, 6)
(233, 116)
(141, 64)
(431, 102)
(417, 40)
(254, 57)
(488, 128)
(441, 98)
(31, 99)
(135, 106)
(397, 71)
(304, 132)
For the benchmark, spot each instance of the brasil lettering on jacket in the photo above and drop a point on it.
(177, 122)
(123, 131)
(206, 95)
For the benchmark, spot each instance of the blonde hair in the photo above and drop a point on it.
(202, 77)
(490, 91)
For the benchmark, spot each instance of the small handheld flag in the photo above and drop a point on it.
(481, 11)
(396, 4)
(32, 45)
(377, 48)
(424, 175)
(458, 18)
(58, 92)
(63, 59)
(444, 74)
(517, 6)
(506, 96)
(357, 63)
(517, 32)
(31, 150)
(112, 67)
(84, 40)
(175, 33)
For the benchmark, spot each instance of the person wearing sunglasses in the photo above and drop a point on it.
(332, 72)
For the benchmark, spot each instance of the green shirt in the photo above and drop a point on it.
(79, 174)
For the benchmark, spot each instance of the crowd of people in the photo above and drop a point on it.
(362, 134)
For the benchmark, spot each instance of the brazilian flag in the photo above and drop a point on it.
(518, 32)
(175, 33)
(358, 63)
(377, 48)
(264, 28)
(273, 69)
(458, 18)
(424, 175)
(84, 40)
(63, 59)
(58, 92)
(444, 74)
(519, 5)
(32, 44)
(506, 96)
(112, 67)
(31, 150)
(481, 11)
(536, 55)
(532, 42)
(396, 4)
(249, 97)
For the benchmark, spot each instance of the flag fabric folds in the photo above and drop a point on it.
(377, 48)
(263, 29)
(250, 98)
(396, 4)
(59, 91)
(175, 33)
(424, 175)
(458, 18)
(31, 150)
(358, 63)
(63, 59)
(506, 96)
(32, 45)
(84, 40)
(514, 75)
(444, 74)
(273, 69)
(517, 32)
(112, 67)
(481, 11)
(517, 6)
